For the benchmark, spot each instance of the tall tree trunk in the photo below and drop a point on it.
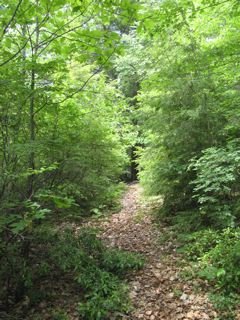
(32, 125)
(25, 249)
(32, 135)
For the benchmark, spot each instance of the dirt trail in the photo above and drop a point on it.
(157, 291)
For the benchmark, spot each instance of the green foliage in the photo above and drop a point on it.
(218, 256)
(101, 307)
(225, 304)
(59, 315)
(188, 102)
(61, 117)
(64, 136)
(188, 117)
(185, 221)
(97, 270)
(225, 257)
(216, 185)
(215, 256)
(120, 262)
(200, 242)
(66, 129)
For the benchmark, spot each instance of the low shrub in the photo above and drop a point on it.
(95, 269)
(218, 254)
(216, 185)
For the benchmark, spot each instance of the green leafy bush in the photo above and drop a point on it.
(186, 221)
(17, 230)
(119, 262)
(216, 185)
(198, 243)
(100, 307)
(225, 258)
(226, 304)
(97, 270)
(218, 254)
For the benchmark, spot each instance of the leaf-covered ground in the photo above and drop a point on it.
(158, 291)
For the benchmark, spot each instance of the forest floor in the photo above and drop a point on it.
(159, 291)
(162, 289)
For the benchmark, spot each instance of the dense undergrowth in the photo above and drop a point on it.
(209, 231)
(97, 273)
(188, 103)
(84, 88)
(214, 256)
(64, 140)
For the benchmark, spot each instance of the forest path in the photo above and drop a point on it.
(157, 292)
